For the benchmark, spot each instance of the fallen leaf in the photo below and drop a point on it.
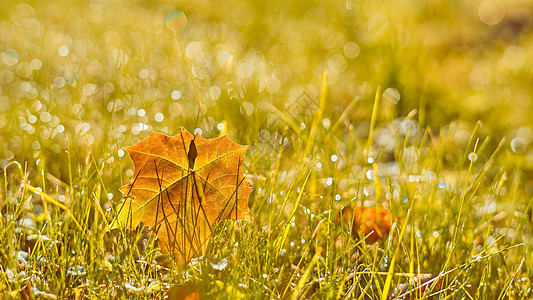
(182, 186)
(370, 222)
(185, 292)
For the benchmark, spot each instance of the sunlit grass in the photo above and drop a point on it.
(343, 105)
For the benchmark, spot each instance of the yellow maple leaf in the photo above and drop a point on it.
(182, 186)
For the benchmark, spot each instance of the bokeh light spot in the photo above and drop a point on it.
(143, 73)
(176, 20)
(491, 12)
(10, 57)
(391, 96)
(351, 50)
(175, 95)
(62, 51)
(159, 117)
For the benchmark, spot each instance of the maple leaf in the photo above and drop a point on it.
(182, 186)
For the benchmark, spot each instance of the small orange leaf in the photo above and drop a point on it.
(370, 222)
(185, 292)
(182, 186)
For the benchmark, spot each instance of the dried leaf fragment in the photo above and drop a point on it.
(182, 186)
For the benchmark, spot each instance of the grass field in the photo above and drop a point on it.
(417, 110)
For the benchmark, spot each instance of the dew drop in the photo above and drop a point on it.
(472, 156)
(326, 122)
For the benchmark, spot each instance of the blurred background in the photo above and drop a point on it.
(103, 73)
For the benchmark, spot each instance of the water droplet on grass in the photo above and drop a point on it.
(326, 122)
(441, 185)
(472, 156)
